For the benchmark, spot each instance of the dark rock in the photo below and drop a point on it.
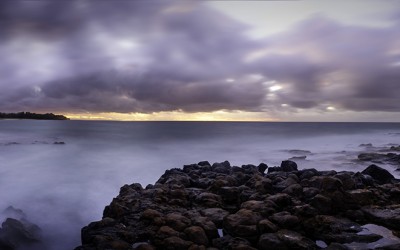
(371, 157)
(347, 181)
(310, 192)
(197, 235)
(203, 207)
(288, 166)
(204, 163)
(362, 196)
(208, 226)
(229, 194)
(387, 216)
(216, 215)
(285, 219)
(305, 210)
(379, 174)
(299, 152)
(175, 243)
(19, 233)
(271, 241)
(223, 167)
(389, 247)
(177, 221)
(143, 246)
(281, 200)
(262, 167)
(336, 229)
(266, 226)
(326, 183)
(243, 223)
(274, 169)
(295, 240)
(294, 190)
(395, 148)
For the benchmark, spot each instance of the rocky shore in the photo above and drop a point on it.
(219, 206)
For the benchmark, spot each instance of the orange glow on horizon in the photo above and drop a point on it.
(220, 115)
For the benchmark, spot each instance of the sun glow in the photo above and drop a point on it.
(220, 115)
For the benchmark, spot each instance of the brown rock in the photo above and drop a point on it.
(177, 221)
(197, 235)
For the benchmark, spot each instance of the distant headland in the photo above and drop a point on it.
(29, 115)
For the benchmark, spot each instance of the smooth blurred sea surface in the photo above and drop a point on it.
(64, 187)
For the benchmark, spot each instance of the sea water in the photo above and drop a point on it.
(63, 187)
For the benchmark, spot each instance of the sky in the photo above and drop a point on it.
(202, 60)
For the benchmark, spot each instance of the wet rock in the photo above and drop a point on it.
(204, 163)
(336, 229)
(177, 221)
(207, 225)
(281, 200)
(197, 235)
(371, 157)
(243, 223)
(387, 216)
(285, 219)
(271, 241)
(223, 167)
(216, 215)
(229, 194)
(288, 166)
(362, 197)
(322, 203)
(209, 199)
(143, 246)
(379, 174)
(176, 243)
(262, 167)
(294, 190)
(266, 226)
(347, 181)
(299, 152)
(219, 206)
(295, 240)
(326, 183)
(389, 247)
(19, 233)
(305, 210)
(395, 148)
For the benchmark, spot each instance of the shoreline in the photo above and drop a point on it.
(219, 206)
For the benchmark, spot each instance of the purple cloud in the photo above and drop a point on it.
(146, 57)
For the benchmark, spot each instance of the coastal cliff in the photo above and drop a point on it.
(219, 206)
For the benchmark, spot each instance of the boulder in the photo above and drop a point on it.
(197, 235)
(243, 223)
(216, 215)
(177, 221)
(379, 174)
(262, 167)
(285, 219)
(271, 241)
(288, 166)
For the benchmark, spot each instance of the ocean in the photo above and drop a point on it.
(62, 187)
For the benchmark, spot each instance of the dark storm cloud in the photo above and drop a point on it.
(350, 67)
(149, 56)
(186, 53)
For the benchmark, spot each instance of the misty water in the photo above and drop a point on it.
(63, 187)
